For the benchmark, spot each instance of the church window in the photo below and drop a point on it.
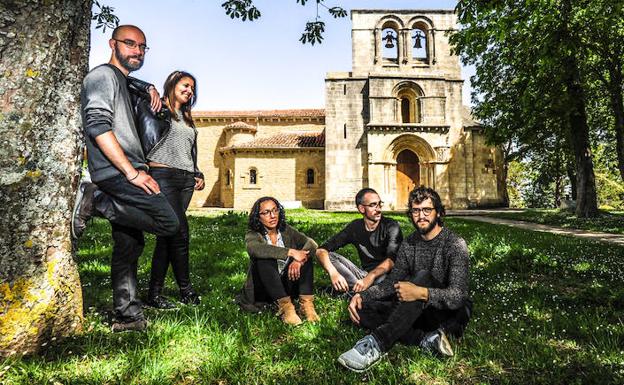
(409, 101)
(419, 43)
(390, 43)
(406, 116)
(253, 176)
(228, 177)
(310, 176)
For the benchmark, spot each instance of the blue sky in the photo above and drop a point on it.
(245, 65)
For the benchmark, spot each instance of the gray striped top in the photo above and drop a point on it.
(175, 150)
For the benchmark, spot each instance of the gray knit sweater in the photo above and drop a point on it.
(106, 107)
(446, 257)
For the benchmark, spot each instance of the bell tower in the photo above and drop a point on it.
(396, 120)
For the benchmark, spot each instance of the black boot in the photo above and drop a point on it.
(158, 301)
(189, 297)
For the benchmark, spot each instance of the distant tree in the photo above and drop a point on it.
(528, 84)
(602, 50)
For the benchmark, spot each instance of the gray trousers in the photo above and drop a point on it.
(349, 270)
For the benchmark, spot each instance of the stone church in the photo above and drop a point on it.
(394, 122)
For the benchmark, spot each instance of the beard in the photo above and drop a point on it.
(425, 230)
(125, 61)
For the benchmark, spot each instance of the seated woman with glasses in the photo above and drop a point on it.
(280, 266)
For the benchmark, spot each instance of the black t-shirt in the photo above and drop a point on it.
(373, 247)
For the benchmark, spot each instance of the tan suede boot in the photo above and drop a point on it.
(306, 303)
(286, 310)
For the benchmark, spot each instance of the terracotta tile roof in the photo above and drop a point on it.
(240, 125)
(310, 112)
(285, 140)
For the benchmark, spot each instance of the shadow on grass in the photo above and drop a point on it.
(548, 309)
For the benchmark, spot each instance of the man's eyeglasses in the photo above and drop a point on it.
(425, 210)
(133, 44)
(275, 211)
(374, 205)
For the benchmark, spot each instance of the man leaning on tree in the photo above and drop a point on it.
(122, 191)
(425, 296)
(376, 239)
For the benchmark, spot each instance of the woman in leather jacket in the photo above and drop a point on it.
(169, 141)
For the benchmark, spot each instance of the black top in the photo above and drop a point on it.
(373, 247)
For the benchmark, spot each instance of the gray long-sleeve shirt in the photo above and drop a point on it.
(106, 107)
(445, 257)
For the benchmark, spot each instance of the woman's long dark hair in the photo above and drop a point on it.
(169, 95)
(254, 216)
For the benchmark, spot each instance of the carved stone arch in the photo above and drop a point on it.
(388, 20)
(412, 157)
(412, 142)
(395, 23)
(408, 96)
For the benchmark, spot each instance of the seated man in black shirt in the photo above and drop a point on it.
(424, 298)
(376, 239)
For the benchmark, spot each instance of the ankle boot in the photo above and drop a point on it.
(306, 304)
(286, 310)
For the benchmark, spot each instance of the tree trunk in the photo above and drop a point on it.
(578, 129)
(572, 177)
(44, 49)
(502, 183)
(617, 103)
(586, 203)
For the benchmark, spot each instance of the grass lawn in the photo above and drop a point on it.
(608, 221)
(548, 309)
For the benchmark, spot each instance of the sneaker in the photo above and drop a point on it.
(160, 302)
(136, 325)
(364, 354)
(83, 208)
(190, 298)
(437, 342)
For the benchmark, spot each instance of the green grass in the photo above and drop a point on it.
(548, 309)
(607, 221)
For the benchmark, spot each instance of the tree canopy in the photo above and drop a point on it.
(548, 81)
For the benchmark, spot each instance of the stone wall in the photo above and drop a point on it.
(212, 137)
(281, 174)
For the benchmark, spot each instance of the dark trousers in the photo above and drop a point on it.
(178, 186)
(349, 270)
(270, 285)
(394, 321)
(131, 211)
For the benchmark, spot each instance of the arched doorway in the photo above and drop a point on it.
(408, 176)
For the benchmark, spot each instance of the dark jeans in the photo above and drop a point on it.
(131, 211)
(178, 186)
(407, 322)
(270, 285)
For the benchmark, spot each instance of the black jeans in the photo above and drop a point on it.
(178, 186)
(131, 211)
(407, 322)
(270, 285)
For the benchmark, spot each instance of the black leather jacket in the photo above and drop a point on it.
(152, 127)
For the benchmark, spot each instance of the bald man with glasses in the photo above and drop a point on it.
(376, 239)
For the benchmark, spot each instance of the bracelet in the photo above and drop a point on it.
(136, 176)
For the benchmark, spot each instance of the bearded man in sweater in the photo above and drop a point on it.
(425, 296)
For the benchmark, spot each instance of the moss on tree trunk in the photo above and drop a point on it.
(43, 58)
